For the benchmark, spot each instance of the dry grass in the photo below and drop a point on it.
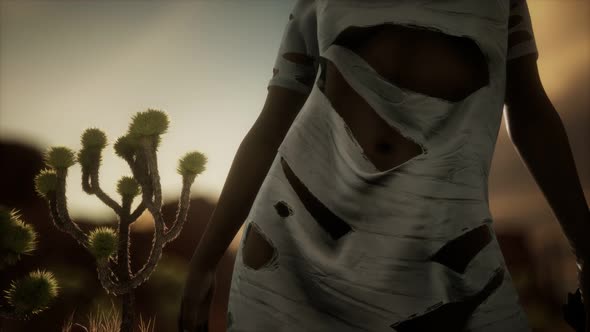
(106, 321)
(147, 327)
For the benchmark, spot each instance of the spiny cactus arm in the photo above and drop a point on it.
(60, 209)
(189, 166)
(46, 186)
(86, 181)
(157, 245)
(54, 214)
(105, 275)
(182, 210)
(104, 197)
(66, 227)
(130, 150)
(123, 254)
(155, 254)
(145, 129)
(148, 145)
(103, 243)
(139, 170)
(138, 211)
(147, 192)
(93, 142)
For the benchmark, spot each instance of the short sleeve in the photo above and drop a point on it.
(297, 61)
(521, 39)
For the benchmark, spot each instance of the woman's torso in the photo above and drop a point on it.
(424, 61)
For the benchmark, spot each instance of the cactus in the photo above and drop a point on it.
(33, 293)
(110, 247)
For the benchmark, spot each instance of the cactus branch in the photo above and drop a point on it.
(144, 187)
(182, 210)
(152, 163)
(138, 212)
(123, 258)
(89, 159)
(57, 221)
(157, 244)
(140, 172)
(105, 275)
(86, 182)
(59, 213)
(155, 254)
(143, 274)
(134, 170)
(106, 199)
(62, 210)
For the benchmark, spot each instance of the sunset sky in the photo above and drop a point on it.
(69, 65)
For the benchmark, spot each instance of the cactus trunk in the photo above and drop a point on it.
(128, 311)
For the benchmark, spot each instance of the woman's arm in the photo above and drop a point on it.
(293, 75)
(247, 172)
(538, 134)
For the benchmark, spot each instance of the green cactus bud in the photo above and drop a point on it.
(89, 158)
(45, 182)
(192, 163)
(33, 293)
(60, 157)
(94, 138)
(128, 186)
(149, 123)
(16, 237)
(126, 146)
(102, 243)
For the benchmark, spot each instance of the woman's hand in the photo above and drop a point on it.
(199, 289)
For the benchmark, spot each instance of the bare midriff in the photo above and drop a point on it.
(424, 61)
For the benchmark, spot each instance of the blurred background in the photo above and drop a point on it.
(69, 65)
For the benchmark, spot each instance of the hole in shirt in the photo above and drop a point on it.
(330, 222)
(421, 59)
(283, 209)
(452, 316)
(381, 144)
(457, 253)
(417, 59)
(257, 251)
